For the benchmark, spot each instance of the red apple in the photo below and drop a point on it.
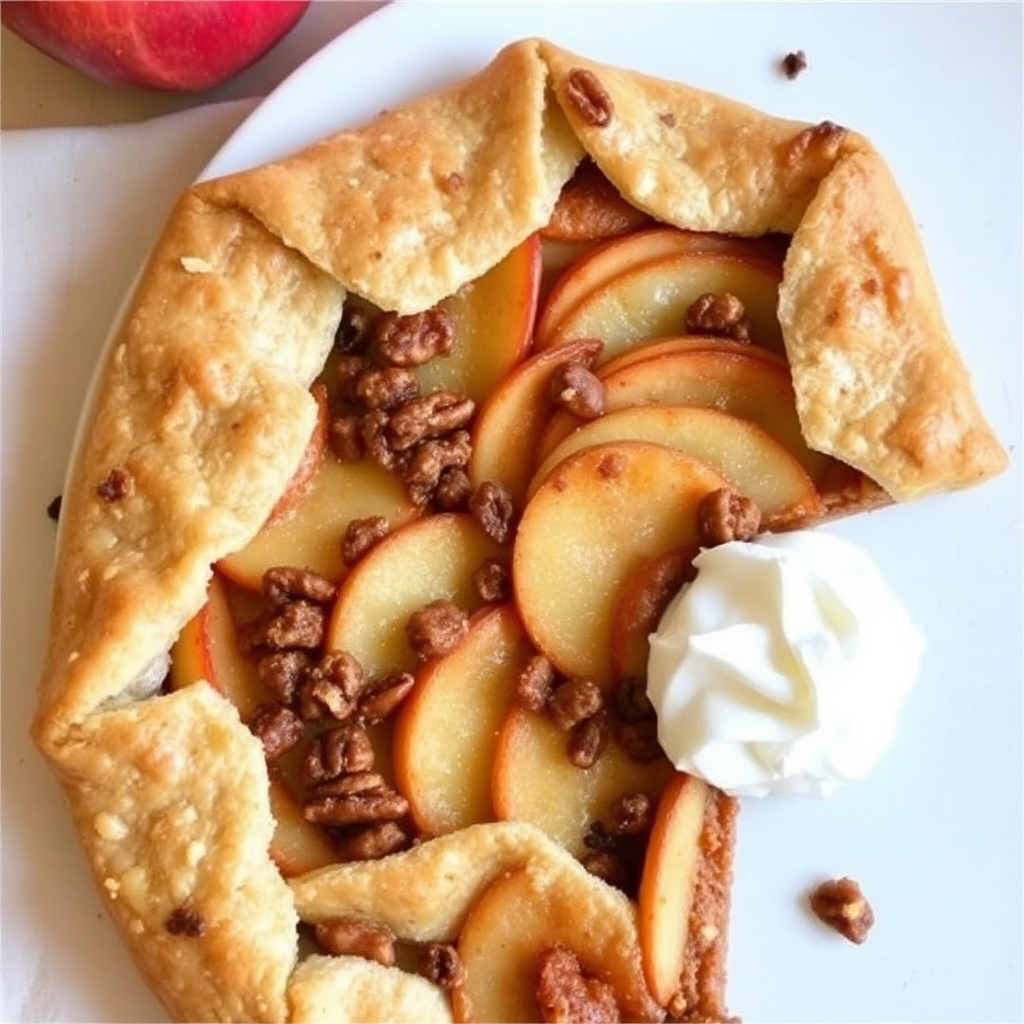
(164, 44)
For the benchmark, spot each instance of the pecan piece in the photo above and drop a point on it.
(282, 672)
(428, 416)
(355, 936)
(295, 624)
(724, 516)
(492, 581)
(360, 536)
(278, 728)
(385, 387)
(346, 438)
(332, 687)
(185, 921)
(719, 314)
(347, 372)
(53, 509)
(631, 701)
(370, 842)
(453, 489)
(841, 905)
(430, 460)
(285, 583)
(536, 683)
(587, 740)
(413, 340)
(440, 963)
(436, 628)
(589, 97)
(567, 996)
(358, 799)
(116, 485)
(639, 741)
(343, 750)
(579, 390)
(793, 64)
(374, 430)
(383, 697)
(632, 814)
(492, 507)
(573, 701)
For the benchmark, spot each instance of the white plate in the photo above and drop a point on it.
(935, 834)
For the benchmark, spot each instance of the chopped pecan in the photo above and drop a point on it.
(332, 687)
(346, 438)
(436, 628)
(360, 536)
(589, 97)
(282, 672)
(413, 340)
(720, 314)
(631, 701)
(376, 441)
(535, 683)
(639, 741)
(382, 697)
(578, 389)
(440, 963)
(841, 905)
(724, 516)
(492, 507)
(567, 996)
(295, 624)
(430, 459)
(355, 936)
(385, 387)
(793, 63)
(347, 373)
(335, 752)
(116, 485)
(368, 842)
(354, 329)
(632, 814)
(587, 740)
(185, 921)
(492, 581)
(428, 416)
(574, 700)
(453, 489)
(609, 867)
(278, 728)
(285, 583)
(53, 509)
(359, 799)
(817, 145)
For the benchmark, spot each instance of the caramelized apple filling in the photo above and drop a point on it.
(444, 622)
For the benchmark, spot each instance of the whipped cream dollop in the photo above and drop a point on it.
(783, 667)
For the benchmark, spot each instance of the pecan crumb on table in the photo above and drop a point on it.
(793, 63)
(841, 905)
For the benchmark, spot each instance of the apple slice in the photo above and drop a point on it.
(643, 601)
(306, 471)
(609, 262)
(594, 521)
(511, 422)
(493, 318)
(757, 464)
(667, 884)
(534, 780)
(431, 559)
(297, 846)
(688, 343)
(311, 535)
(651, 300)
(444, 735)
(742, 384)
(530, 910)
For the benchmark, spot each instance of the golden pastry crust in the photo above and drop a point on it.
(201, 412)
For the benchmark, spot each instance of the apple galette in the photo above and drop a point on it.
(396, 457)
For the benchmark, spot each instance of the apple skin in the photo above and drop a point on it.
(168, 45)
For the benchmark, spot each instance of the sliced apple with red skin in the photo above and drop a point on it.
(511, 422)
(493, 320)
(590, 209)
(651, 301)
(599, 516)
(644, 599)
(428, 560)
(444, 737)
(297, 846)
(757, 465)
(305, 473)
(534, 780)
(667, 884)
(310, 536)
(689, 343)
(526, 912)
(609, 263)
(741, 384)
